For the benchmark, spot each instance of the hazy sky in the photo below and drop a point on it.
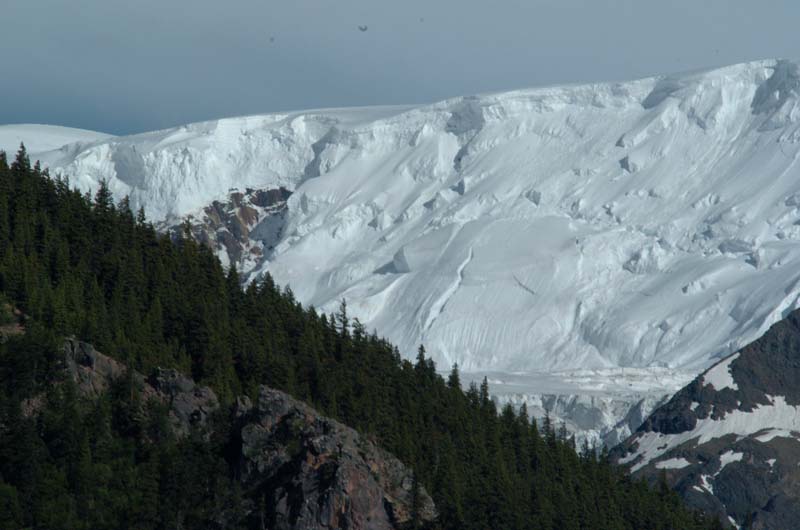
(135, 65)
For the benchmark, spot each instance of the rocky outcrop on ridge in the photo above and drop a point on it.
(729, 442)
(189, 405)
(317, 473)
(307, 471)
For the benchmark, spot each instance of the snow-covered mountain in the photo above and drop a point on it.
(652, 224)
(729, 442)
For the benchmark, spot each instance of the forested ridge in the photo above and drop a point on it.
(89, 267)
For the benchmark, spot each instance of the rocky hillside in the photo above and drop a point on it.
(729, 442)
(312, 472)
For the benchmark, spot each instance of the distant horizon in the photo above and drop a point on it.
(709, 68)
(137, 67)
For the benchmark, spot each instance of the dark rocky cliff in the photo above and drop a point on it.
(729, 442)
(309, 472)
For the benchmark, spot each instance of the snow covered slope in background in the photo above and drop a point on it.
(40, 138)
(653, 223)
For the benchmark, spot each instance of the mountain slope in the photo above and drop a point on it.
(621, 224)
(730, 441)
(646, 224)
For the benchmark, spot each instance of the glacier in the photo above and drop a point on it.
(43, 138)
(651, 225)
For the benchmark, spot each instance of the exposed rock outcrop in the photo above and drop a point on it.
(242, 229)
(317, 473)
(92, 371)
(729, 442)
(188, 404)
(298, 469)
(11, 321)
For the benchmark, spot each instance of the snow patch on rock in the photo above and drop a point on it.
(720, 377)
(728, 457)
(777, 415)
(673, 463)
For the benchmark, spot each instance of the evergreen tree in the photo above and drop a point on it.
(454, 380)
(21, 164)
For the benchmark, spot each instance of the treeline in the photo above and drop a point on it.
(90, 267)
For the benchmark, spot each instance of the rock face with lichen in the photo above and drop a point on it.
(298, 469)
(317, 473)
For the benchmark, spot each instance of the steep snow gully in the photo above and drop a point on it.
(651, 225)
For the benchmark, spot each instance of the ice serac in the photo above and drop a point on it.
(644, 224)
(602, 407)
(729, 442)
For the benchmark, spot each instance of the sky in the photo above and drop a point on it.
(137, 65)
